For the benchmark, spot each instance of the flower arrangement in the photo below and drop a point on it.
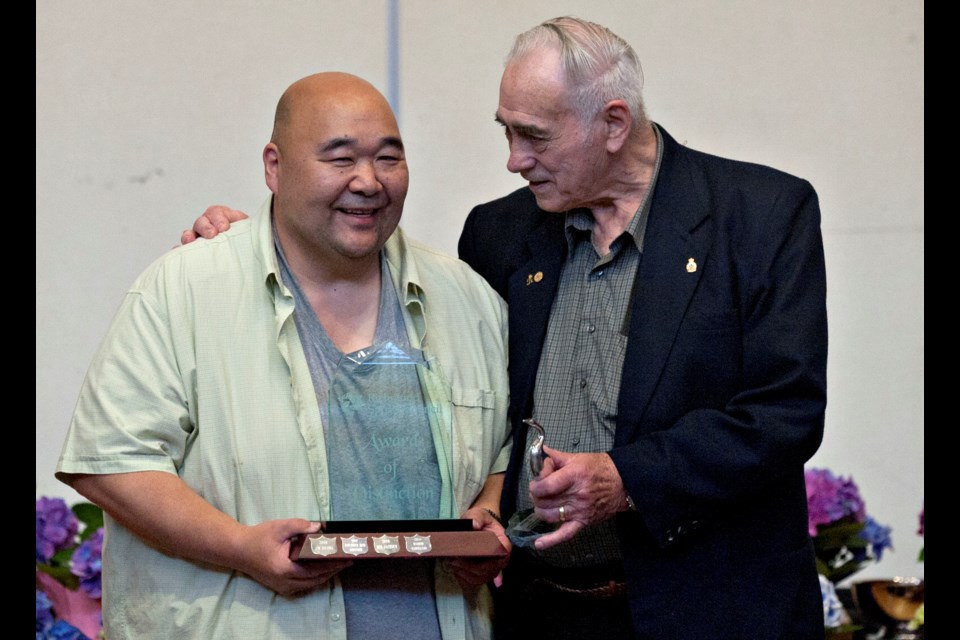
(917, 621)
(845, 538)
(68, 570)
(920, 533)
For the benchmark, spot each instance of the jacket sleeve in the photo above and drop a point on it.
(739, 406)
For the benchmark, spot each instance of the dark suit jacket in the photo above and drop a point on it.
(723, 393)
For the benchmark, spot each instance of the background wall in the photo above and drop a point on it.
(149, 112)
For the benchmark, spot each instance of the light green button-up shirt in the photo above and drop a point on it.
(202, 375)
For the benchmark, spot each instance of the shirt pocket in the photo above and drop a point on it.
(474, 448)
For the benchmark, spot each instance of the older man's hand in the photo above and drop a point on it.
(576, 490)
(215, 220)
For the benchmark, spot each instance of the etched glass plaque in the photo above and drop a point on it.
(389, 437)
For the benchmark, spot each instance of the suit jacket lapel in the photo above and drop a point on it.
(532, 289)
(675, 252)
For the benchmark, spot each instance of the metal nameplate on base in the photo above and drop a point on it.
(371, 539)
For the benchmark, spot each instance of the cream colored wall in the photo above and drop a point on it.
(148, 112)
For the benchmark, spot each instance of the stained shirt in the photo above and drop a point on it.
(202, 375)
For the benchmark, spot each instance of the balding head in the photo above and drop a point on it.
(316, 92)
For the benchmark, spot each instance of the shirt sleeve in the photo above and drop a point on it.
(132, 413)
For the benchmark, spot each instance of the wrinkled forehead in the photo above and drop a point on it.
(326, 101)
(342, 122)
(534, 84)
(371, 144)
(534, 112)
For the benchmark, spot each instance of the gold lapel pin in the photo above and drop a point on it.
(534, 277)
(691, 265)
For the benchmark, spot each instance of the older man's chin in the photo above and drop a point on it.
(543, 191)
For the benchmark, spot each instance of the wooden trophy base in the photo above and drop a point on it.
(372, 539)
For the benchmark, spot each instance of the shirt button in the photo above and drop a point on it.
(583, 384)
(591, 328)
(335, 616)
(600, 273)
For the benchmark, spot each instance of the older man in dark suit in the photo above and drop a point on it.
(668, 329)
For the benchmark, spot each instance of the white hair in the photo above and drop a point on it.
(599, 65)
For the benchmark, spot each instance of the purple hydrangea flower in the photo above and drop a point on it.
(56, 527)
(831, 498)
(85, 563)
(878, 536)
(44, 614)
(63, 630)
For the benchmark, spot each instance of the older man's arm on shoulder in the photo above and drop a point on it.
(215, 220)
(165, 512)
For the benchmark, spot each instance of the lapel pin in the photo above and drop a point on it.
(537, 277)
(691, 265)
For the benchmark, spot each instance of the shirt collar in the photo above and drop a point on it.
(404, 273)
(264, 248)
(402, 267)
(403, 270)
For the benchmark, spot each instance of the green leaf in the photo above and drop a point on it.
(835, 536)
(62, 558)
(843, 571)
(823, 569)
(61, 575)
(843, 632)
(90, 515)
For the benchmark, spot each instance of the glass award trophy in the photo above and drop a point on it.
(524, 526)
(389, 444)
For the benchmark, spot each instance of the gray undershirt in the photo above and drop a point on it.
(381, 457)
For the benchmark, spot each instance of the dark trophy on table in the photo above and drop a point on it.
(886, 607)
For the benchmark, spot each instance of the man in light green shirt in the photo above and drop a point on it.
(201, 427)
